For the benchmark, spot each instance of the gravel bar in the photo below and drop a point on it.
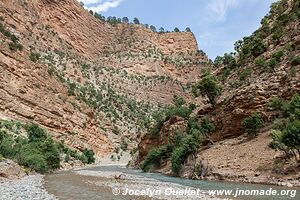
(27, 188)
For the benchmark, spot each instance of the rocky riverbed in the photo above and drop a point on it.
(132, 185)
(28, 187)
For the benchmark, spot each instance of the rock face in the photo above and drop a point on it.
(88, 72)
(166, 135)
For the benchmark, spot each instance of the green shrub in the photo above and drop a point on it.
(208, 87)
(252, 123)
(178, 101)
(206, 126)
(277, 34)
(177, 158)
(31, 157)
(291, 135)
(183, 112)
(272, 63)
(15, 46)
(7, 145)
(1, 158)
(288, 139)
(257, 47)
(89, 154)
(50, 151)
(261, 62)
(35, 133)
(275, 103)
(295, 61)
(39, 152)
(7, 124)
(287, 135)
(117, 150)
(34, 57)
(153, 157)
(247, 72)
(293, 71)
(267, 65)
(124, 145)
(294, 107)
(156, 155)
(276, 142)
(278, 55)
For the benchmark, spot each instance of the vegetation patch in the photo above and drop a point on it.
(183, 144)
(286, 133)
(14, 45)
(252, 124)
(36, 150)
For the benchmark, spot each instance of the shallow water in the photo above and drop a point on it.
(70, 185)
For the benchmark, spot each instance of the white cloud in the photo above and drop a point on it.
(219, 8)
(101, 6)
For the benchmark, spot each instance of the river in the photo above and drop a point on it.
(97, 183)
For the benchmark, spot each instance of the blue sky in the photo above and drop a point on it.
(217, 24)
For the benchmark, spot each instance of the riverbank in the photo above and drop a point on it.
(240, 160)
(28, 187)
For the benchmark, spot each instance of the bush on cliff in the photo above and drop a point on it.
(286, 136)
(208, 87)
(180, 147)
(89, 154)
(252, 123)
(155, 156)
(177, 158)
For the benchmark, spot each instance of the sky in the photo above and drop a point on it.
(217, 24)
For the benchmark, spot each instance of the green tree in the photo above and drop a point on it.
(218, 61)
(257, 46)
(295, 61)
(176, 30)
(178, 101)
(208, 87)
(177, 158)
(291, 136)
(31, 157)
(161, 30)
(252, 124)
(136, 21)
(206, 126)
(89, 154)
(125, 20)
(153, 28)
(287, 140)
(34, 57)
(188, 29)
(50, 151)
(99, 16)
(238, 45)
(35, 133)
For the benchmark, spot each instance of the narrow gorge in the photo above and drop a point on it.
(97, 103)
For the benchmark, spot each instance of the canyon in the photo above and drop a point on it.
(96, 85)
